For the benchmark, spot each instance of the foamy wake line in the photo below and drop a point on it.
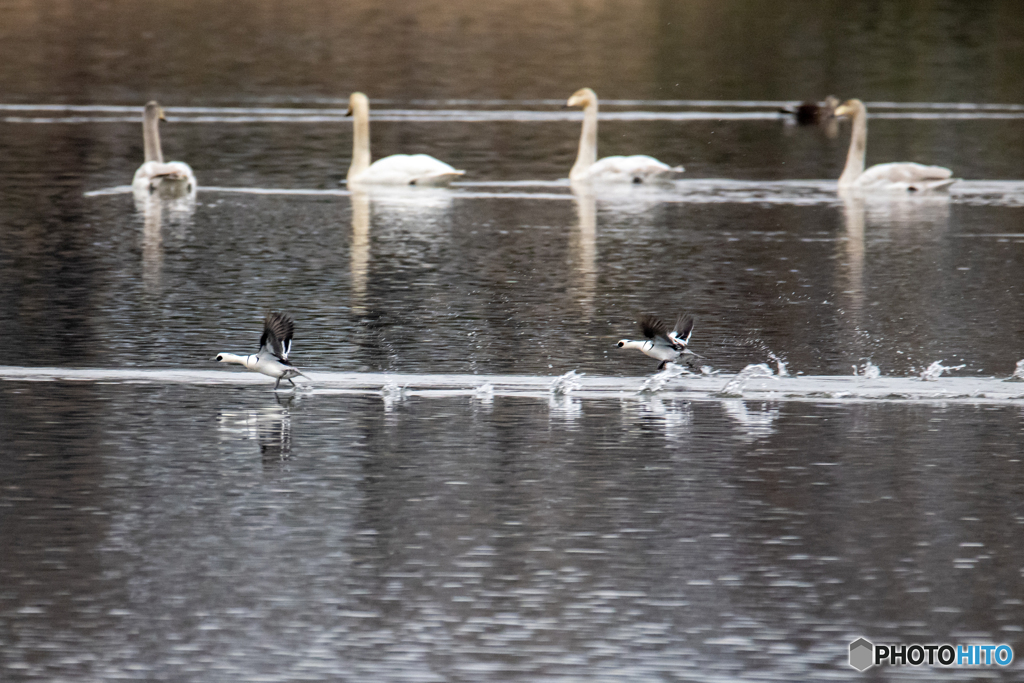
(763, 387)
(686, 191)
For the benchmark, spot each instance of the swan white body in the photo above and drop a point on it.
(638, 168)
(661, 343)
(155, 173)
(892, 177)
(272, 358)
(397, 169)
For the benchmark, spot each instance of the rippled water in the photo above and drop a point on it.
(475, 484)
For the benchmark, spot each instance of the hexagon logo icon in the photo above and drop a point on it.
(862, 654)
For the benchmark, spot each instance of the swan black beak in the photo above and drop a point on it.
(349, 112)
(162, 117)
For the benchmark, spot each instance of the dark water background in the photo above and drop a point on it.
(169, 532)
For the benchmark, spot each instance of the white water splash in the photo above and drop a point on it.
(779, 363)
(392, 393)
(1018, 374)
(657, 381)
(484, 392)
(565, 384)
(868, 371)
(760, 386)
(934, 371)
(734, 388)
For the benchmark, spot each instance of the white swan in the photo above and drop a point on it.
(638, 168)
(904, 176)
(154, 173)
(397, 169)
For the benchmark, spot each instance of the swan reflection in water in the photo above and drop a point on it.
(851, 258)
(270, 427)
(901, 234)
(154, 208)
(412, 218)
(583, 250)
(359, 250)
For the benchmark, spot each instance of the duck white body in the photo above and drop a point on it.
(275, 345)
(892, 177)
(397, 169)
(638, 168)
(661, 343)
(155, 173)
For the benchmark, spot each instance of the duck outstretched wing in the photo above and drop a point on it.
(682, 330)
(653, 327)
(278, 329)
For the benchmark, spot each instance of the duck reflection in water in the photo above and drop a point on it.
(270, 427)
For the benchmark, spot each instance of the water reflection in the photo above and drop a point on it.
(153, 205)
(359, 250)
(851, 254)
(671, 417)
(583, 249)
(915, 215)
(752, 423)
(565, 407)
(269, 426)
(900, 240)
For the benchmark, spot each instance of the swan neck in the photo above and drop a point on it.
(360, 141)
(629, 344)
(151, 136)
(858, 148)
(587, 155)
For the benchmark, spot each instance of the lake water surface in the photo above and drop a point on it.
(441, 501)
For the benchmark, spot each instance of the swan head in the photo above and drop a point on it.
(155, 111)
(850, 108)
(582, 98)
(357, 103)
(622, 342)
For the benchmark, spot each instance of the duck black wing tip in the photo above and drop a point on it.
(684, 327)
(652, 327)
(278, 329)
